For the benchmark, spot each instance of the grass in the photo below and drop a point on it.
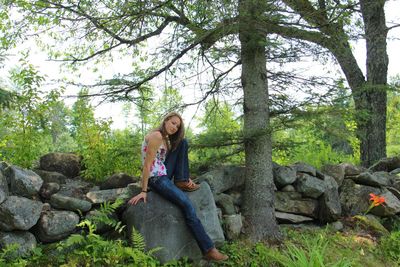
(300, 248)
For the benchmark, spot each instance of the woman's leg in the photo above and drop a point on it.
(165, 187)
(177, 164)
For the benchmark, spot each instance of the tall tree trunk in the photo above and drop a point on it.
(374, 94)
(258, 208)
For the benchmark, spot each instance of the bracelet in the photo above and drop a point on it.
(144, 191)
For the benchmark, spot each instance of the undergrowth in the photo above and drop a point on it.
(300, 248)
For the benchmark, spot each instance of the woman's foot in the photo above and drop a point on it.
(214, 255)
(188, 186)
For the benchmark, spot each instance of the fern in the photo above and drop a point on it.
(137, 240)
(103, 215)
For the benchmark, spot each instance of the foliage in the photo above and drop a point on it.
(390, 246)
(104, 151)
(24, 132)
(393, 118)
(220, 141)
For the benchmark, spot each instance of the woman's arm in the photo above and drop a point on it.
(154, 141)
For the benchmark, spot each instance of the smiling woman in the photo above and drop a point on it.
(165, 157)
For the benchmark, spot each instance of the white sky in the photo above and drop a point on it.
(52, 71)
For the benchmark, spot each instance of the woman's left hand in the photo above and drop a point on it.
(137, 198)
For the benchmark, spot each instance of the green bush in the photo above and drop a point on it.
(390, 246)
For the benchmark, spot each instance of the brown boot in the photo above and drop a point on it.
(214, 255)
(188, 186)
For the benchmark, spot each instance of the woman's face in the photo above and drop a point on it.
(172, 125)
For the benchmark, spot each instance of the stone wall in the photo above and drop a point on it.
(45, 205)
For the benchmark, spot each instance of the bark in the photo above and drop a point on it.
(372, 129)
(258, 207)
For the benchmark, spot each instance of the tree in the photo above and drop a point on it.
(324, 23)
(189, 29)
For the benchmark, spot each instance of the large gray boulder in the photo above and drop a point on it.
(66, 163)
(55, 225)
(19, 213)
(310, 186)
(23, 182)
(224, 178)
(162, 224)
(24, 239)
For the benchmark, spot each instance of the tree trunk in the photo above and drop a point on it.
(258, 207)
(374, 94)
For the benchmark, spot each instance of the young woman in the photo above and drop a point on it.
(165, 157)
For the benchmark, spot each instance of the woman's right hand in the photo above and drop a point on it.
(137, 198)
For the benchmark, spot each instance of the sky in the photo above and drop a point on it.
(51, 69)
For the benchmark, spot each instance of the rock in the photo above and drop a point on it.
(110, 195)
(394, 191)
(305, 168)
(49, 189)
(65, 163)
(162, 224)
(69, 203)
(51, 177)
(75, 188)
(225, 202)
(24, 239)
(372, 223)
(385, 177)
(23, 182)
(55, 225)
(367, 178)
(329, 204)
(233, 226)
(386, 164)
(335, 171)
(288, 188)
(118, 180)
(395, 171)
(389, 208)
(310, 186)
(223, 179)
(3, 188)
(283, 217)
(351, 170)
(338, 225)
(291, 202)
(284, 176)
(19, 213)
(354, 198)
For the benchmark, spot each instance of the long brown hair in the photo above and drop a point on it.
(173, 140)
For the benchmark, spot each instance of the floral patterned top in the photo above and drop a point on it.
(157, 168)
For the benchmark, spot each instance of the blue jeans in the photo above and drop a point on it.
(177, 162)
(164, 186)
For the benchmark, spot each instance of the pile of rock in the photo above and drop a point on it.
(46, 204)
(307, 195)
